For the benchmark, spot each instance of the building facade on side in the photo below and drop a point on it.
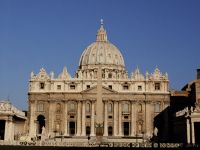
(185, 113)
(12, 122)
(100, 100)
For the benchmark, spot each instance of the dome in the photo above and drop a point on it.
(101, 52)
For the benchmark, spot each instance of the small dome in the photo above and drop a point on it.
(101, 52)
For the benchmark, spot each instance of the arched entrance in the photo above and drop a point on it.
(41, 123)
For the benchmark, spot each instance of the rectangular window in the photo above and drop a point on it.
(139, 88)
(110, 117)
(40, 107)
(157, 86)
(88, 86)
(41, 85)
(72, 87)
(58, 87)
(110, 86)
(157, 108)
(88, 117)
(125, 87)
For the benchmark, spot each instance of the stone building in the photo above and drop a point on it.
(12, 122)
(185, 108)
(101, 100)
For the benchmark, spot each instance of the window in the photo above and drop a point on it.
(58, 87)
(110, 75)
(126, 108)
(72, 107)
(125, 87)
(72, 87)
(157, 108)
(110, 117)
(109, 108)
(139, 88)
(41, 85)
(71, 116)
(157, 86)
(58, 108)
(40, 107)
(88, 86)
(88, 117)
(140, 108)
(125, 117)
(87, 107)
(110, 86)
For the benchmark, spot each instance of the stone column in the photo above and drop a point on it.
(105, 133)
(133, 119)
(115, 118)
(32, 124)
(188, 131)
(51, 118)
(120, 119)
(9, 130)
(83, 119)
(78, 133)
(149, 123)
(66, 120)
(193, 134)
(92, 121)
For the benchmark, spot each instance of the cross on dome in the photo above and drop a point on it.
(101, 34)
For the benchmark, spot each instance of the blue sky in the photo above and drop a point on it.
(53, 34)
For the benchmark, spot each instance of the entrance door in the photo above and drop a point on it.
(126, 128)
(72, 128)
(110, 131)
(41, 123)
(2, 129)
(197, 132)
(88, 130)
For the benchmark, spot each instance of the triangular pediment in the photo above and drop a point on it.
(105, 90)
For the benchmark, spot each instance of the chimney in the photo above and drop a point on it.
(198, 73)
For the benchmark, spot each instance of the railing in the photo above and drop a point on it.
(91, 143)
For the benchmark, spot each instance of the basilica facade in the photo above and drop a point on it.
(101, 100)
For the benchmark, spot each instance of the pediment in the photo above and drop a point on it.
(105, 90)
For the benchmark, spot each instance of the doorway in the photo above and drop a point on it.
(41, 123)
(126, 128)
(88, 130)
(2, 129)
(110, 131)
(72, 128)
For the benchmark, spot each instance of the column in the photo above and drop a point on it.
(149, 123)
(83, 119)
(105, 133)
(120, 119)
(51, 118)
(133, 119)
(193, 134)
(92, 121)
(188, 131)
(115, 118)
(32, 124)
(78, 133)
(66, 120)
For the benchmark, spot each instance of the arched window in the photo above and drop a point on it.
(71, 106)
(87, 107)
(109, 108)
(125, 107)
(58, 108)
